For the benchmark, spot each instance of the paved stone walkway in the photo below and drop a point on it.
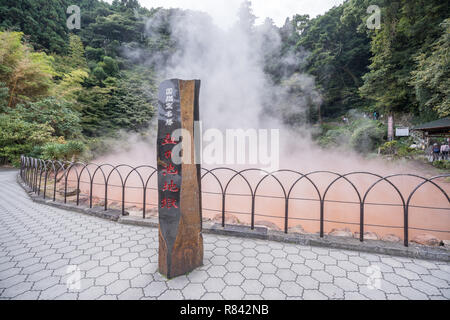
(48, 253)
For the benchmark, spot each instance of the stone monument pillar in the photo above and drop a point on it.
(179, 185)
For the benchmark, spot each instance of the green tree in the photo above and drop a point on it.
(394, 48)
(44, 21)
(338, 57)
(27, 74)
(431, 78)
(58, 114)
(18, 137)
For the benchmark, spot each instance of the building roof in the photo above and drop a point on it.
(437, 124)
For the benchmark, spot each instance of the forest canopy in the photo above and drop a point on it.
(59, 85)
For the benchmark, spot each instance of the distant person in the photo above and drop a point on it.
(436, 151)
(375, 115)
(445, 148)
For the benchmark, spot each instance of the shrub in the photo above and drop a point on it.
(367, 137)
(19, 137)
(62, 151)
(442, 164)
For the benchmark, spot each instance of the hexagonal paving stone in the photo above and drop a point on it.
(346, 284)
(211, 296)
(251, 273)
(178, 282)
(128, 273)
(193, 291)
(354, 296)
(307, 254)
(264, 257)
(437, 282)
(46, 283)
(391, 262)
(222, 244)
(12, 280)
(291, 289)
(96, 272)
(92, 293)
(396, 279)
(233, 279)
(347, 266)
(273, 294)
(338, 255)
(322, 276)
(307, 282)
(335, 271)
(270, 280)
(234, 266)
(249, 252)
(282, 263)
(119, 266)
(106, 279)
(235, 256)
(267, 268)
(315, 265)
(252, 286)
(217, 271)
(286, 275)
(117, 287)
(220, 251)
(407, 274)
(131, 294)
(262, 248)
(327, 260)
(219, 260)
(53, 292)
(155, 289)
(425, 288)
(331, 291)
(372, 293)
(250, 262)
(301, 269)
(233, 293)
(214, 285)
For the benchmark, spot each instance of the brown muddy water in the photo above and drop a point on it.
(429, 210)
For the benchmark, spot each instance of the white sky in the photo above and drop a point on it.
(221, 10)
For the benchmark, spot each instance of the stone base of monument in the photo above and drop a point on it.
(179, 185)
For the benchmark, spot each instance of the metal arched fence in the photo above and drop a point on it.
(38, 173)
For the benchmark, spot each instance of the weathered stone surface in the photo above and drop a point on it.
(297, 229)
(229, 218)
(446, 243)
(367, 235)
(267, 224)
(152, 212)
(70, 192)
(426, 239)
(391, 238)
(345, 232)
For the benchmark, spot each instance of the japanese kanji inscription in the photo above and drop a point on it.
(179, 188)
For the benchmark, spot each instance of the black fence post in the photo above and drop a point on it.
(321, 217)
(405, 227)
(286, 211)
(361, 222)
